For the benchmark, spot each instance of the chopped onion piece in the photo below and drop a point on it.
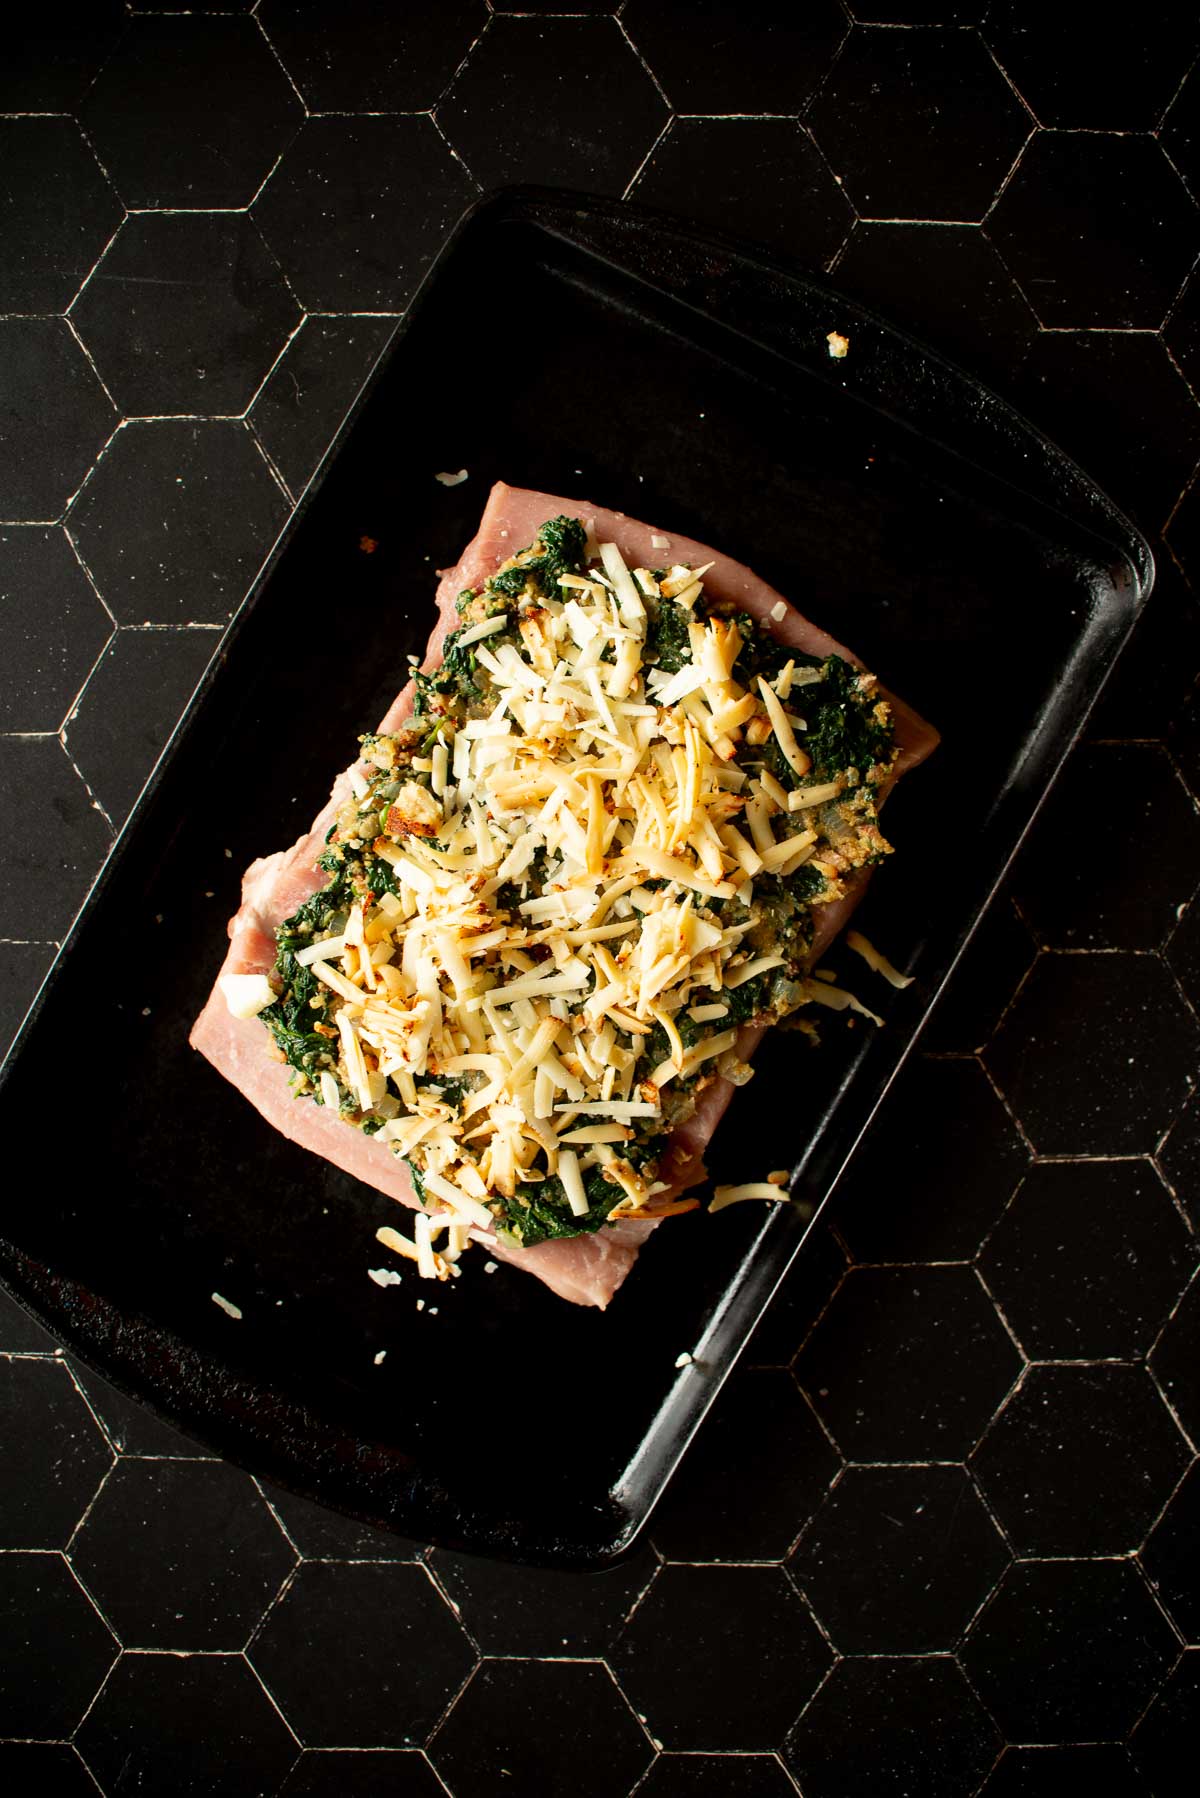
(246, 994)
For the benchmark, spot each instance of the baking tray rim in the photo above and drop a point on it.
(92, 1326)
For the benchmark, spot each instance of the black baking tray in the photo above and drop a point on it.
(593, 349)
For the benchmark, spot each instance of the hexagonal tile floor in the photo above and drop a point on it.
(939, 1535)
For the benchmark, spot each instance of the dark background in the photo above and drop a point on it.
(942, 1534)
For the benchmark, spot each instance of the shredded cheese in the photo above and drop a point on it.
(795, 757)
(877, 962)
(801, 798)
(836, 998)
(562, 872)
(572, 1181)
(750, 1189)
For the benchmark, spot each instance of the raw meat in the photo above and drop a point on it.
(585, 1269)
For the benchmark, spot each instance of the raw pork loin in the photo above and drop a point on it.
(585, 1269)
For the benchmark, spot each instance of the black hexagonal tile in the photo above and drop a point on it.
(54, 1455)
(208, 350)
(209, 510)
(181, 1554)
(1183, 736)
(1126, 802)
(54, 418)
(1182, 532)
(1183, 951)
(1179, 1159)
(1049, 1772)
(908, 1364)
(56, 627)
(716, 1776)
(892, 1726)
(1121, 80)
(1115, 401)
(199, 1726)
(330, 211)
(55, 1648)
(20, 1332)
(323, 1535)
(1098, 229)
(1093, 1648)
(57, 212)
(1080, 1460)
(362, 1773)
(721, 57)
(370, 56)
(1163, 1744)
(23, 967)
(806, 1289)
(918, 124)
(312, 387)
(1088, 1259)
(1181, 334)
(1171, 1556)
(762, 178)
(540, 1726)
(53, 60)
(565, 101)
(752, 1477)
(913, 12)
(935, 1170)
(1176, 1360)
(115, 742)
(947, 284)
(45, 1767)
(899, 1559)
(751, 1650)
(535, 1611)
(190, 112)
(45, 876)
(400, 1653)
(995, 962)
(1093, 1056)
(130, 1428)
(1180, 133)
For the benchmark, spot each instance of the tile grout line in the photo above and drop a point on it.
(647, 158)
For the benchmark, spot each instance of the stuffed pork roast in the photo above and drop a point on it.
(514, 972)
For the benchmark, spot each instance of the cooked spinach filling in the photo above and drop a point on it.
(597, 850)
